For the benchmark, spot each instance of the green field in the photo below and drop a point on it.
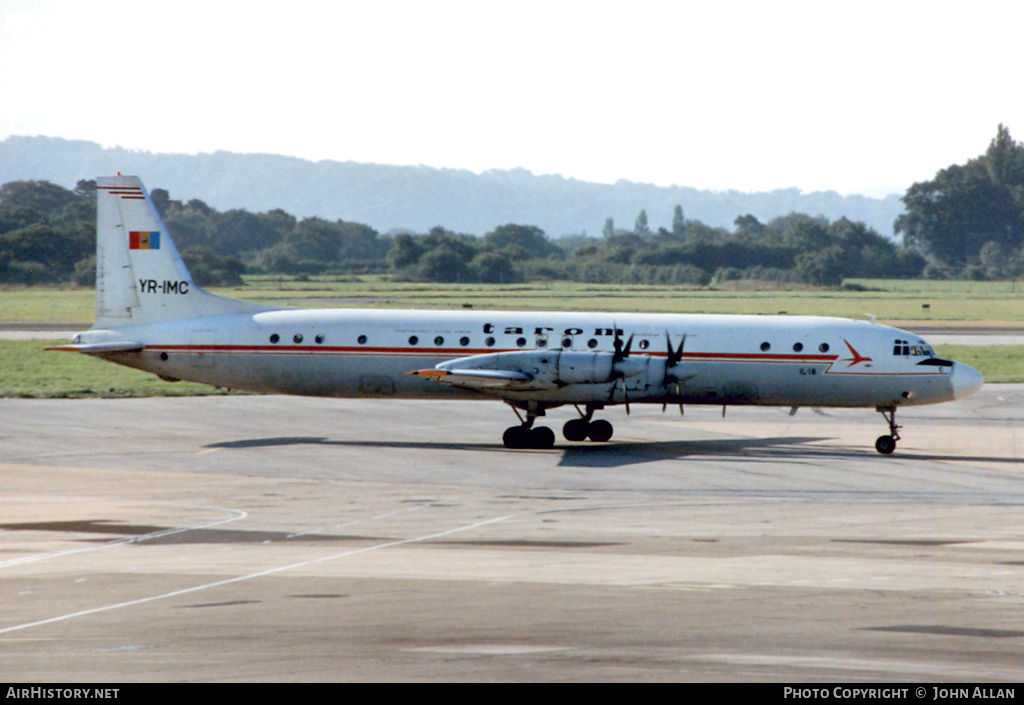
(27, 369)
(888, 300)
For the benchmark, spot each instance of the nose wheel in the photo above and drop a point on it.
(887, 444)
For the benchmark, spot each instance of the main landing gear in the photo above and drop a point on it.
(583, 428)
(887, 444)
(526, 435)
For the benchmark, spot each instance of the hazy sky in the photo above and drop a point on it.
(850, 96)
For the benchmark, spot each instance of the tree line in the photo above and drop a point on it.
(967, 222)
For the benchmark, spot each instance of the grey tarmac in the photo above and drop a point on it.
(250, 538)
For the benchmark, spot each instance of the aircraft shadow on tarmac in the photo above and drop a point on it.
(604, 454)
(622, 453)
(162, 535)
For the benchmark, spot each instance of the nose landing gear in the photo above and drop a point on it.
(887, 444)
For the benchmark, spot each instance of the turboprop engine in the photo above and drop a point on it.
(640, 376)
(547, 369)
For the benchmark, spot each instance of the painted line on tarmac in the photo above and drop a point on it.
(238, 514)
(382, 516)
(251, 576)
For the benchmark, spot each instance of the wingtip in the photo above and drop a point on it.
(430, 372)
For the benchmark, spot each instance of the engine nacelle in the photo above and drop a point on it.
(554, 368)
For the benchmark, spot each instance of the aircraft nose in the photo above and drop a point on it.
(965, 380)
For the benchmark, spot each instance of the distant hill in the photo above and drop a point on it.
(418, 197)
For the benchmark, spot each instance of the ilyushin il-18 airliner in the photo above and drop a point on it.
(151, 315)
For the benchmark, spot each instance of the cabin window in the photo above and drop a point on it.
(464, 341)
(542, 341)
(489, 342)
(766, 346)
(566, 342)
(521, 342)
(274, 338)
(592, 343)
(319, 339)
(644, 344)
(297, 338)
(413, 340)
(439, 340)
(797, 347)
(823, 347)
(361, 340)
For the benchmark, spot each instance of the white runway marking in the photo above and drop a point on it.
(382, 516)
(251, 576)
(238, 514)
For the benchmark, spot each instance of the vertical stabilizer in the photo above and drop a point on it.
(140, 277)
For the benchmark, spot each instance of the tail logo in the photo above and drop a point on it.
(144, 240)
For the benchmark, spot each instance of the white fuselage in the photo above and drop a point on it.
(762, 360)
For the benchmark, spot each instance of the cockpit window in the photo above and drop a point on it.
(904, 347)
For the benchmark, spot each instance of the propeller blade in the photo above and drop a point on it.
(672, 358)
(674, 355)
(625, 393)
(621, 353)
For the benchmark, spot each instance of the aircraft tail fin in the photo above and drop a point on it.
(140, 276)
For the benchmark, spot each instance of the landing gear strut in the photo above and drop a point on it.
(583, 428)
(525, 435)
(887, 444)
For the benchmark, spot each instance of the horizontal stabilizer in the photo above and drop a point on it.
(100, 341)
(120, 346)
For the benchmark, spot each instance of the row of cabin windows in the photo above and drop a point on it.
(797, 347)
(298, 338)
(542, 342)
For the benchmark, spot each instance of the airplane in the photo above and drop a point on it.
(150, 315)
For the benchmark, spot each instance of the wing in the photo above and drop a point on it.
(477, 379)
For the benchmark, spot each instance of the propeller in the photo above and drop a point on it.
(620, 354)
(672, 358)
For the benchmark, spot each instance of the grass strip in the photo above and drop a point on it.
(28, 370)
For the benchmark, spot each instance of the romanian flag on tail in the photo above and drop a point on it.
(144, 240)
